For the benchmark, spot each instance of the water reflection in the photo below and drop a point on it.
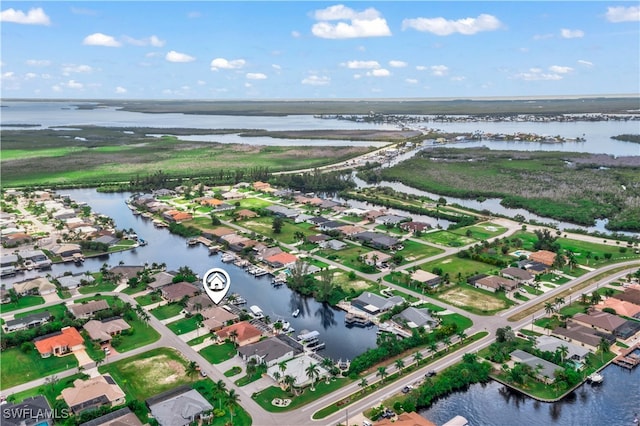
(326, 315)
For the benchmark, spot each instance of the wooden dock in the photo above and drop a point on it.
(627, 358)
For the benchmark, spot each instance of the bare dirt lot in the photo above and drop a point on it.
(465, 297)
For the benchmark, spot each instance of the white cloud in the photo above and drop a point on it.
(72, 68)
(411, 80)
(99, 39)
(379, 73)
(30, 75)
(201, 83)
(537, 74)
(458, 78)
(248, 85)
(35, 16)
(256, 76)
(560, 69)
(72, 84)
(439, 70)
(623, 14)
(357, 76)
(222, 63)
(296, 34)
(358, 65)
(585, 63)
(38, 62)
(316, 80)
(148, 41)
(56, 88)
(276, 67)
(174, 56)
(354, 24)
(397, 64)
(443, 27)
(9, 75)
(121, 90)
(45, 76)
(421, 68)
(567, 33)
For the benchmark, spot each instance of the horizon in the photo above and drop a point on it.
(323, 51)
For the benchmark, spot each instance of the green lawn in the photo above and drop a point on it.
(253, 203)
(233, 371)
(97, 288)
(57, 311)
(17, 367)
(23, 302)
(413, 250)
(216, 354)
(185, 325)
(351, 218)
(453, 265)
(481, 231)
(531, 290)
(240, 416)
(446, 238)
(166, 311)
(198, 340)
(143, 334)
(461, 321)
(393, 230)
(347, 256)
(264, 397)
(263, 225)
(149, 373)
(148, 299)
(554, 279)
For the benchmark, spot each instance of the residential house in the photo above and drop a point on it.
(261, 186)
(8, 260)
(224, 207)
(350, 230)
(371, 215)
(103, 331)
(215, 318)
(242, 333)
(268, 252)
(535, 268)
(93, 393)
(377, 240)
(180, 406)
(414, 227)
(621, 307)
(59, 343)
(121, 417)
(282, 211)
(176, 216)
(317, 220)
(270, 351)
(600, 321)
(544, 374)
(415, 318)
(518, 274)
(108, 239)
(545, 257)
(87, 309)
(219, 232)
(332, 244)
(32, 411)
(494, 283)
(63, 214)
(36, 258)
(74, 281)
(297, 367)
(426, 278)
(376, 258)
(391, 219)
(406, 419)
(126, 272)
(210, 202)
(552, 344)
(328, 204)
(164, 192)
(317, 238)
(15, 239)
(374, 304)
(198, 303)
(631, 295)
(40, 285)
(27, 321)
(175, 292)
(245, 214)
(330, 225)
(581, 335)
(160, 279)
(233, 195)
(280, 260)
(302, 218)
(66, 250)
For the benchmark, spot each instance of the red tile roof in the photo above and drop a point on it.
(244, 329)
(68, 337)
(283, 258)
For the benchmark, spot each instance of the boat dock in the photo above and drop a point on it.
(628, 358)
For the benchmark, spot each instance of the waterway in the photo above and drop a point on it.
(615, 402)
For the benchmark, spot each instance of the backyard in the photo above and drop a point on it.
(216, 354)
(21, 367)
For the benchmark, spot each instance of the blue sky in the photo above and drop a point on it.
(290, 50)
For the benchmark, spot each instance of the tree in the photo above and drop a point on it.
(219, 389)
(603, 347)
(382, 373)
(143, 315)
(549, 308)
(595, 298)
(363, 383)
(277, 376)
(433, 347)
(231, 401)
(192, 369)
(277, 224)
(461, 335)
(312, 372)
(447, 341)
(282, 365)
(563, 351)
(399, 365)
(325, 286)
(417, 357)
(328, 364)
(289, 381)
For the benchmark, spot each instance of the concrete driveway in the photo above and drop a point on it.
(83, 357)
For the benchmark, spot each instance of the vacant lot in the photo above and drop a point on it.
(446, 238)
(18, 367)
(149, 373)
(478, 301)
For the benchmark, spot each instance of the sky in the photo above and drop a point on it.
(317, 50)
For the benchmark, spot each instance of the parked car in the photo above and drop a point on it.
(430, 373)
(203, 373)
(406, 389)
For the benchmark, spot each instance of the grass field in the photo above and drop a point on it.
(166, 311)
(253, 203)
(143, 334)
(446, 238)
(57, 311)
(347, 256)
(184, 325)
(264, 397)
(18, 367)
(453, 265)
(97, 288)
(23, 302)
(475, 300)
(481, 231)
(263, 225)
(148, 299)
(216, 354)
(413, 251)
(149, 373)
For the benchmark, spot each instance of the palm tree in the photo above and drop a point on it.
(282, 365)
(461, 335)
(563, 351)
(447, 341)
(277, 376)
(328, 365)
(549, 308)
(363, 383)
(417, 357)
(433, 347)
(219, 389)
(231, 401)
(289, 381)
(399, 365)
(382, 373)
(233, 336)
(603, 347)
(312, 372)
(192, 369)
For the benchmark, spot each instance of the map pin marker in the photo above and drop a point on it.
(216, 283)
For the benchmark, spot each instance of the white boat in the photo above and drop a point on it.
(228, 257)
(295, 313)
(256, 311)
(595, 378)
